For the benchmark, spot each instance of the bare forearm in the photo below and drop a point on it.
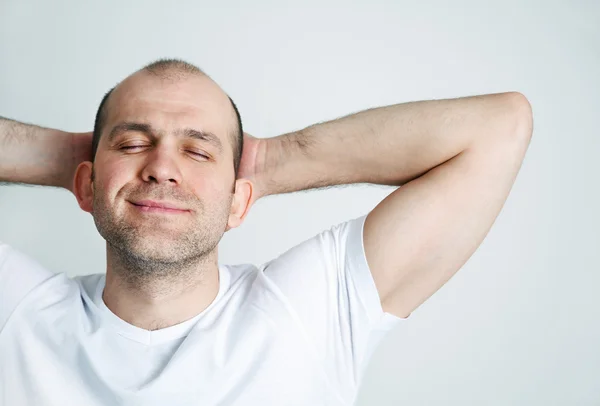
(388, 145)
(36, 155)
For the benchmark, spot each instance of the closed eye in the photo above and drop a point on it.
(129, 147)
(132, 146)
(198, 154)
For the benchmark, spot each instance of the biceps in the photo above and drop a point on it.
(418, 237)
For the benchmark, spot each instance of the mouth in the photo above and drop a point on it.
(156, 209)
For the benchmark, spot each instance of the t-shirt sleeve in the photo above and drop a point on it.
(19, 274)
(328, 284)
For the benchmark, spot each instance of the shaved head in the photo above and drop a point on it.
(173, 70)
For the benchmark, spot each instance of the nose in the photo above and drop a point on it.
(161, 165)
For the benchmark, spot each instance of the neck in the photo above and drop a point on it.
(152, 297)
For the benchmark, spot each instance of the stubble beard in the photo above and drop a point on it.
(149, 251)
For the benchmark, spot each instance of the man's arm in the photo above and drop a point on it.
(455, 159)
(40, 156)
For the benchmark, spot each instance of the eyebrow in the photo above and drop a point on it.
(147, 129)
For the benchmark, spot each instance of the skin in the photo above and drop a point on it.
(162, 269)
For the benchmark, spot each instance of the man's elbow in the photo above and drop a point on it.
(523, 116)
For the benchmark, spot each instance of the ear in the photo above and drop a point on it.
(83, 186)
(243, 198)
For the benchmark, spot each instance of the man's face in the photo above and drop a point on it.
(146, 153)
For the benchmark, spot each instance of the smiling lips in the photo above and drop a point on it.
(152, 206)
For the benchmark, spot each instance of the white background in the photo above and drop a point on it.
(520, 323)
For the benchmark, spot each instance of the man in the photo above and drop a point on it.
(167, 171)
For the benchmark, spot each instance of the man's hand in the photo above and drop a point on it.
(81, 151)
(251, 164)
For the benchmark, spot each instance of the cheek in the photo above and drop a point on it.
(111, 179)
(210, 188)
(206, 187)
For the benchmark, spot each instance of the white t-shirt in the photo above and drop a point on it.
(297, 330)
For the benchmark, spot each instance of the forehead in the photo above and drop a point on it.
(171, 104)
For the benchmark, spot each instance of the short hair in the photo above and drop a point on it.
(172, 69)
